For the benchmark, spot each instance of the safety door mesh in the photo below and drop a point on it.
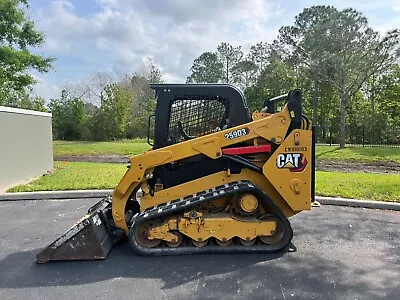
(197, 116)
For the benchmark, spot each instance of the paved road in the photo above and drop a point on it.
(342, 253)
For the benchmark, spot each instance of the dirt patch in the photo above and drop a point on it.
(331, 165)
(334, 165)
(112, 158)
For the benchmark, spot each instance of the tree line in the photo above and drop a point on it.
(348, 72)
(102, 109)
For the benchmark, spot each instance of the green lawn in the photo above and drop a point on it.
(76, 176)
(128, 147)
(81, 175)
(384, 187)
(366, 154)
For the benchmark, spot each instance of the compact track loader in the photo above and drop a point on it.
(217, 180)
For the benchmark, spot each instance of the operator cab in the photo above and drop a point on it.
(194, 110)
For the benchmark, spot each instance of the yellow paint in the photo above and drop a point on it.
(294, 187)
(290, 196)
(248, 203)
(224, 227)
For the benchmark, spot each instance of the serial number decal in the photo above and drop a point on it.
(237, 133)
(295, 149)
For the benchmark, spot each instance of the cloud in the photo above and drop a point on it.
(396, 6)
(121, 34)
(44, 88)
(118, 36)
(386, 26)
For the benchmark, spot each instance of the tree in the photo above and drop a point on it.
(389, 93)
(244, 73)
(259, 54)
(142, 106)
(304, 45)
(36, 103)
(276, 78)
(68, 117)
(90, 109)
(151, 72)
(110, 121)
(383, 94)
(92, 88)
(206, 69)
(338, 46)
(361, 55)
(112, 109)
(17, 36)
(229, 57)
(225, 65)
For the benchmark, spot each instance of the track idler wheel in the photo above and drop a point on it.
(142, 234)
(277, 235)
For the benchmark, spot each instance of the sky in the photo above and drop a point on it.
(119, 36)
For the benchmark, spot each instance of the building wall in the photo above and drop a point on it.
(26, 148)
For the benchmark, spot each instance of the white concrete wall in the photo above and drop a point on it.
(26, 148)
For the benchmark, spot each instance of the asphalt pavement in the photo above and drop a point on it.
(339, 253)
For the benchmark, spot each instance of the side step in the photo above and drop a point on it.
(92, 237)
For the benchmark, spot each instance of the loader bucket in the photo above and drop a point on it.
(92, 237)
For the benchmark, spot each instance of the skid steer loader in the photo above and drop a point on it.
(217, 180)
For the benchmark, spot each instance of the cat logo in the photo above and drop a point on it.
(296, 162)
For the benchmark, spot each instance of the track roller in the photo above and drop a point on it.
(200, 243)
(247, 242)
(224, 243)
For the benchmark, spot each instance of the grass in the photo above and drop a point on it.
(383, 187)
(126, 147)
(364, 154)
(76, 176)
(82, 175)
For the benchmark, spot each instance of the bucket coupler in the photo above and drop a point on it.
(92, 237)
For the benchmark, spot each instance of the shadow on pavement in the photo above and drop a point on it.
(20, 269)
(340, 253)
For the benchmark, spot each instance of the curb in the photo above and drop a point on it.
(358, 203)
(88, 194)
(55, 195)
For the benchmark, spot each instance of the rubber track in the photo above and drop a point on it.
(188, 202)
